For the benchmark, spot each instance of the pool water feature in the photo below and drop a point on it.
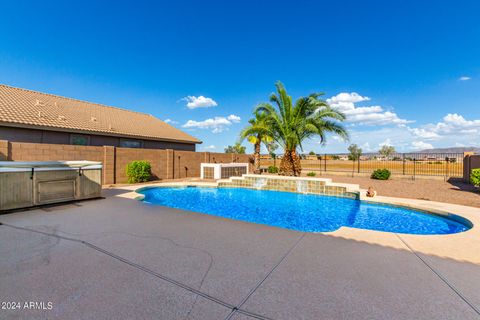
(301, 186)
(260, 183)
(298, 211)
(291, 184)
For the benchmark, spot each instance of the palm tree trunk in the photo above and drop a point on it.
(287, 166)
(256, 157)
(297, 167)
(290, 164)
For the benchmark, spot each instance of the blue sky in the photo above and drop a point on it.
(406, 73)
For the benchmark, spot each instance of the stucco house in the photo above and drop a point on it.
(30, 116)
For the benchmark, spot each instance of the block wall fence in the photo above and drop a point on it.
(166, 164)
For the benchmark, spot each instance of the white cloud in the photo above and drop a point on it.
(424, 133)
(216, 124)
(366, 147)
(233, 118)
(370, 115)
(199, 102)
(210, 147)
(453, 130)
(452, 124)
(170, 121)
(420, 145)
(458, 120)
(347, 98)
(464, 78)
(387, 142)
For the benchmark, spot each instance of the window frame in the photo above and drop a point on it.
(123, 140)
(79, 135)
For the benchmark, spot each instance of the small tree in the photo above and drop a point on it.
(256, 132)
(355, 152)
(386, 151)
(312, 153)
(236, 148)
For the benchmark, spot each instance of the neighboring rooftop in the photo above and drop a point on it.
(32, 109)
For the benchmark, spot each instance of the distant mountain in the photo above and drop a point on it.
(450, 150)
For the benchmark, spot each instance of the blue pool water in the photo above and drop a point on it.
(302, 212)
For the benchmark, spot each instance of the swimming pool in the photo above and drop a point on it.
(301, 212)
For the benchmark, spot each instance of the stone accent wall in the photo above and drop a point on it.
(308, 186)
(166, 164)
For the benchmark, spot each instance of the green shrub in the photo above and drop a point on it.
(475, 177)
(272, 169)
(138, 171)
(381, 174)
(311, 174)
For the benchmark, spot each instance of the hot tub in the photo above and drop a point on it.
(222, 170)
(28, 184)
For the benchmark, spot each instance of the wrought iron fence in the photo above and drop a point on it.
(411, 164)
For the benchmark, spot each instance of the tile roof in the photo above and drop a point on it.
(26, 108)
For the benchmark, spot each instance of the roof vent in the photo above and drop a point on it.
(40, 114)
(110, 127)
(62, 118)
(93, 119)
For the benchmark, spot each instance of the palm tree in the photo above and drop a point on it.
(257, 132)
(290, 124)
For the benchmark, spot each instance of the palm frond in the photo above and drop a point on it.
(290, 124)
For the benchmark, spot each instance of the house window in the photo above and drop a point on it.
(130, 143)
(79, 140)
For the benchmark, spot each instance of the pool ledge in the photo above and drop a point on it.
(461, 246)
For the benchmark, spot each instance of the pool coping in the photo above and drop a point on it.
(458, 246)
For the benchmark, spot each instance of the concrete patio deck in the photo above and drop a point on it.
(118, 258)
